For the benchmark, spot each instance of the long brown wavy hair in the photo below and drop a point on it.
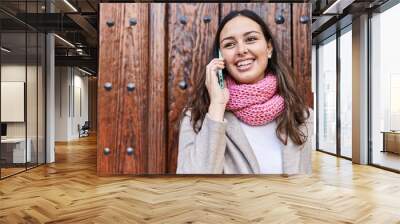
(296, 111)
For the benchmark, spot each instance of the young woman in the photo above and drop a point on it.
(258, 122)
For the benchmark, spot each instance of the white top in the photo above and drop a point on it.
(266, 146)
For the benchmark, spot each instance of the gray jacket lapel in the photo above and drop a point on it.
(235, 132)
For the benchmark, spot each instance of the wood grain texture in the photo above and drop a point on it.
(189, 51)
(157, 117)
(110, 62)
(302, 50)
(69, 191)
(133, 109)
(129, 108)
(281, 33)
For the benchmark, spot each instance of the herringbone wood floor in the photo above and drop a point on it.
(70, 192)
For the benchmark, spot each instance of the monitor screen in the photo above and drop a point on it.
(3, 129)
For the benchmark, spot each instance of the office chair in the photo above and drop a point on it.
(84, 130)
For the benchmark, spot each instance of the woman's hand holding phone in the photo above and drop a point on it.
(218, 96)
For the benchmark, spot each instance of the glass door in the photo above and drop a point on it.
(385, 89)
(345, 92)
(326, 96)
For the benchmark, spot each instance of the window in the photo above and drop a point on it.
(385, 89)
(346, 92)
(326, 96)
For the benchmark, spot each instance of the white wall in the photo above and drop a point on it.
(33, 126)
(17, 73)
(62, 81)
(71, 94)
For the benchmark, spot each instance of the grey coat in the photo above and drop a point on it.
(222, 148)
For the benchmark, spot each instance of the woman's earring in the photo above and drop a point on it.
(269, 56)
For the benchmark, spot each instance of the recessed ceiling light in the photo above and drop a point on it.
(84, 71)
(338, 6)
(5, 50)
(64, 40)
(70, 5)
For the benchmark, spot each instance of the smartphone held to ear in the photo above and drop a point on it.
(220, 74)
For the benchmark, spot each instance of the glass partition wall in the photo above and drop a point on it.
(345, 65)
(385, 90)
(334, 94)
(22, 79)
(326, 96)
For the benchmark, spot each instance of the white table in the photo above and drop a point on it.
(18, 149)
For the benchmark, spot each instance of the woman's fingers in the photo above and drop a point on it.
(217, 95)
(212, 69)
(214, 76)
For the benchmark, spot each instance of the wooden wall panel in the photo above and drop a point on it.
(302, 49)
(189, 50)
(157, 139)
(267, 11)
(110, 62)
(133, 108)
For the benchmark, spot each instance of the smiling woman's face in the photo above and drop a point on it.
(244, 49)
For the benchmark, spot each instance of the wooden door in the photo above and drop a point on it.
(129, 115)
(159, 48)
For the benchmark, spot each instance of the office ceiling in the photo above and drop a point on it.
(76, 22)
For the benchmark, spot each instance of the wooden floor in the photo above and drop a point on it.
(5, 172)
(70, 192)
(387, 159)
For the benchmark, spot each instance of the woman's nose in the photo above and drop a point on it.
(242, 49)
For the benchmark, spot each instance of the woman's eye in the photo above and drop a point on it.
(228, 45)
(251, 39)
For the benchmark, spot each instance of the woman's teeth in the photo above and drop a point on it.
(246, 62)
(245, 65)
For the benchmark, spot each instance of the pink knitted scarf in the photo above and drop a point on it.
(255, 104)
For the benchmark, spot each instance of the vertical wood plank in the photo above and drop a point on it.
(189, 50)
(109, 68)
(133, 112)
(267, 11)
(302, 49)
(157, 139)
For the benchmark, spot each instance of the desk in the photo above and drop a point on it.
(391, 141)
(16, 147)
